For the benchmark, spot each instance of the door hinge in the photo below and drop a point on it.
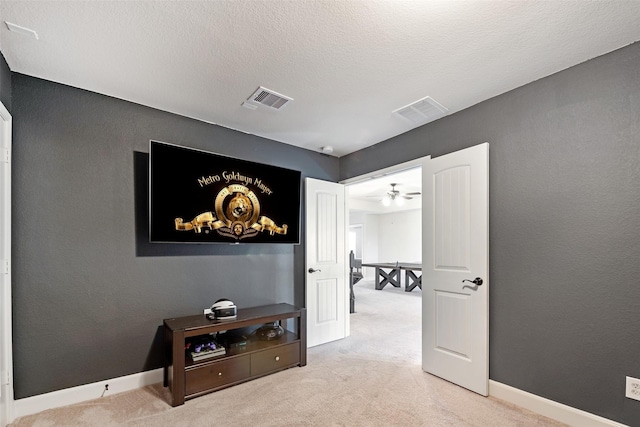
(5, 155)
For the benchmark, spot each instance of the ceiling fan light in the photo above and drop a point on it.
(399, 201)
(386, 201)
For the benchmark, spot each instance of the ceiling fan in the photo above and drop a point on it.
(397, 196)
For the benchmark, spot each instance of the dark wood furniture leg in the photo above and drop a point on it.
(177, 389)
(166, 355)
(302, 332)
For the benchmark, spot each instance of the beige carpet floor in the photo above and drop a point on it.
(372, 378)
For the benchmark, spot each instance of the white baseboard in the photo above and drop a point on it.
(549, 408)
(69, 396)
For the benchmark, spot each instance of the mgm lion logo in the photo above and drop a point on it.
(240, 208)
(237, 215)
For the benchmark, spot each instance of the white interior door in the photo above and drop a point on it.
(455, 311)
(327, 292)
(6, 363)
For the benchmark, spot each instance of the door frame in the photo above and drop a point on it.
(6, 340)
(400, 167)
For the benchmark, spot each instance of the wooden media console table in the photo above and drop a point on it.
(188, 379)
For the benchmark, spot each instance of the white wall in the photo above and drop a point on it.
(400, 237)
(390, 237)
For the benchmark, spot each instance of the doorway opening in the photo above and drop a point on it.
(385, 223)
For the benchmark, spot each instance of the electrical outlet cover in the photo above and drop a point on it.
(633, 388)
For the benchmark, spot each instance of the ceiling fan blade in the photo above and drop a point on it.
(415, 193)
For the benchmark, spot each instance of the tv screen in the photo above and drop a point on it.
(201, 197)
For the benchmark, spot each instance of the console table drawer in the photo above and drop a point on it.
(217, 374)
(274, 359)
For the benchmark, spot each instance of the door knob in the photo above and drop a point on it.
(311, 270)
(477, 281)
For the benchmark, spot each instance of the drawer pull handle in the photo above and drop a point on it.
(219, 374)
(277, 358)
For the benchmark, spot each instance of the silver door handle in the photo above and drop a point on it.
(311, 270)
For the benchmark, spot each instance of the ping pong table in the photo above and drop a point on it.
(390, 273)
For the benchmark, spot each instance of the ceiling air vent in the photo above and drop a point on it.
(422, 111)
(267, 98)
(21, 30)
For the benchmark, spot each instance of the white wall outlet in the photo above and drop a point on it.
(633, 388)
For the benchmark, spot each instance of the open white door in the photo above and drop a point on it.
(455, 310)
(327, 292)
(6, 361)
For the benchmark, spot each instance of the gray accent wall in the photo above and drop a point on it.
(5, 83)
(564, 228)
(90, 292)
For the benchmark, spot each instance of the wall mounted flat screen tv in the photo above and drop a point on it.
(201, 197)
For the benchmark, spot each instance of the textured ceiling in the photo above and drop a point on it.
(346, 64)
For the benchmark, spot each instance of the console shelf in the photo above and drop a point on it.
(188, 379)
